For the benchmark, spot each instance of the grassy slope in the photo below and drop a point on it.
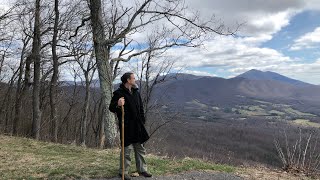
(22, 158)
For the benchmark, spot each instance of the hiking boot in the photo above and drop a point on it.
(126, 176)
(145, 174)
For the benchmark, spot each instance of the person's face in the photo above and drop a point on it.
(132, 80)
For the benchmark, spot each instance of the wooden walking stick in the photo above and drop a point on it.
(122, 140)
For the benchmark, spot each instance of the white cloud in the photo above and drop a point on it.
(307, 41)
(238, 55)
(228, 52)
(198, 73)
(4, 5)
(308, 72)
(262, 20)
(268, 23)
(3, 8)
(260, 17)
(312, 5)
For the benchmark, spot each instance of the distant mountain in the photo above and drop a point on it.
(183, 76)
(168, 78)
(179, 88)
(238, 90)
(221, 91)
(260, 75)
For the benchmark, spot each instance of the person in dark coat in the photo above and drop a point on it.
(135, 133)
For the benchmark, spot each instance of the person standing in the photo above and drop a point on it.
(135, 133)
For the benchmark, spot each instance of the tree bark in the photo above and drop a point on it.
(54, 79)
(19, 92)
(7, 103)
(104, 70)
(36, 46)
(85, 112)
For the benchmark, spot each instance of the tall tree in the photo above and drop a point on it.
(19, 91)
(35, 55)
(88, 71)
(84, 56)
(122, 22)
(102, 52)
(54, 78)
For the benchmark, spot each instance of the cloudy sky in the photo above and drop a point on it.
(281, 36)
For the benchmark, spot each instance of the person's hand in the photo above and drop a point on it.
(121, 101)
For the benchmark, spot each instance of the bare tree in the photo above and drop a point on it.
(19, 94)
(109, 40)
(7, 104)
(152, 70)
(6, 37)
(303, 156)
(54, 78)
(16, 48)
(88, 73)
(7, 13)
(35, 55)
(123, 21)
(88, 68)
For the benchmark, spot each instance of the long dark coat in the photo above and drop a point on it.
(134, 119)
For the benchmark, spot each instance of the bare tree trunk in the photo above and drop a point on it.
(27, 82)
(88, 71)
(36, 46)
(95, 124)
(1, 63)
(83, 133)
(54, 79)
(102, 135)
(7, 102)
(19, 91)
(104, 70)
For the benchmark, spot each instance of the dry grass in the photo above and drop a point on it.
(22, 158)
(263, 173)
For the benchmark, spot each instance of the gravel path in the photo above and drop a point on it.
(193, 175)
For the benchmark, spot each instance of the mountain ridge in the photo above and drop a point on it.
(268, 75)
(252, 74)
